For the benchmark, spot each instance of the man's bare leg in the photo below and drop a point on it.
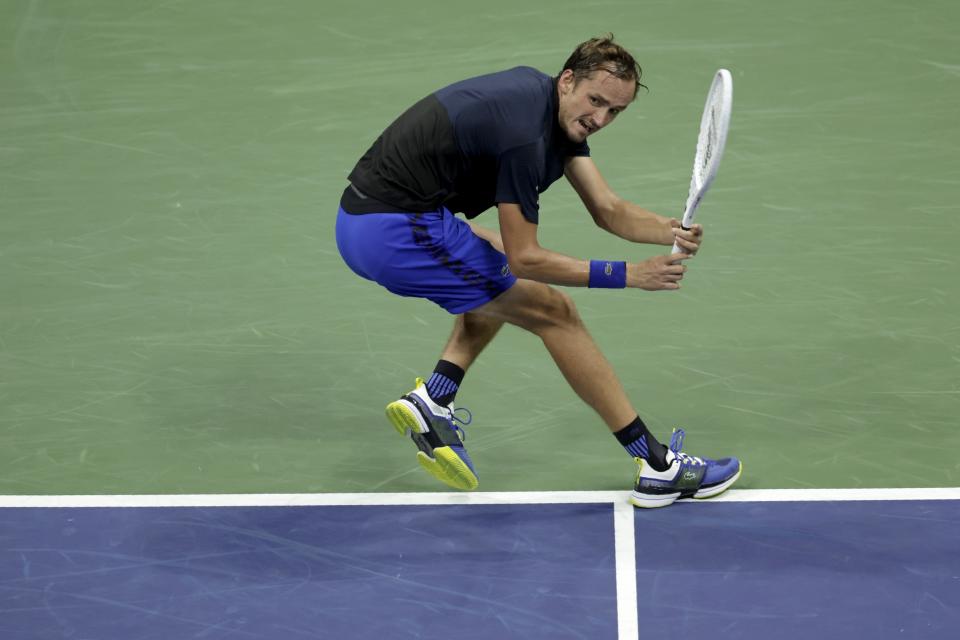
(552, 316)
(471, 334)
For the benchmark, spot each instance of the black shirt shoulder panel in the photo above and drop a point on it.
(413, 162)
(474, 143)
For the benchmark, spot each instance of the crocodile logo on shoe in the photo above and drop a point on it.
(689, 475)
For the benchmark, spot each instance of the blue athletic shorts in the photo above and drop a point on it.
(432, 255)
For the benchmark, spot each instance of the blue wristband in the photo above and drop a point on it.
(605, 274)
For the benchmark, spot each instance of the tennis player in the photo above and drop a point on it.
(500, 140)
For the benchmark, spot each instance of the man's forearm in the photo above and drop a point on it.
(551, 267)
(634, 223)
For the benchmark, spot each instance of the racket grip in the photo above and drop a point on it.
(685, 223)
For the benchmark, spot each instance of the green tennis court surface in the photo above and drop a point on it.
(174, 317)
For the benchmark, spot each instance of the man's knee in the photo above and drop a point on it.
(553, 309)
(533, 306)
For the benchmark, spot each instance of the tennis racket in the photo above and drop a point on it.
(714, 124)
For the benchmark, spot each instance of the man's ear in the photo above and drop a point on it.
(566, 81)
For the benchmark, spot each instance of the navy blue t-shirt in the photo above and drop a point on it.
(470, 146)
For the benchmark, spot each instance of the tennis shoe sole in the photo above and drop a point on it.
(442, 463)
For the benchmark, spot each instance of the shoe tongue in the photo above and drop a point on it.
(663, 465)
(436, 407)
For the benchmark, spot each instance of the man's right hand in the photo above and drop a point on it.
(657, 273)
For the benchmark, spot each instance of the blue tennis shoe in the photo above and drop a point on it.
(686, 477)
(437, 432)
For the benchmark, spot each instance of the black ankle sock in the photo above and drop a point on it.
(443, 385)
(640, 443)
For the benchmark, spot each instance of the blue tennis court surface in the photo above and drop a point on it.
(878, 569)
(800, 570)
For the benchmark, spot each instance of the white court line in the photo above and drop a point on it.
(626, 566)
(479, 497)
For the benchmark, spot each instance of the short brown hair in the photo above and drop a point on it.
(603, 54)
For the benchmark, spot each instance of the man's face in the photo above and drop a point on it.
(592, 103)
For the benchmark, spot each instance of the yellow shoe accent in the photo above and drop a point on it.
(650, 505)
(402, 418)
(447, 467)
